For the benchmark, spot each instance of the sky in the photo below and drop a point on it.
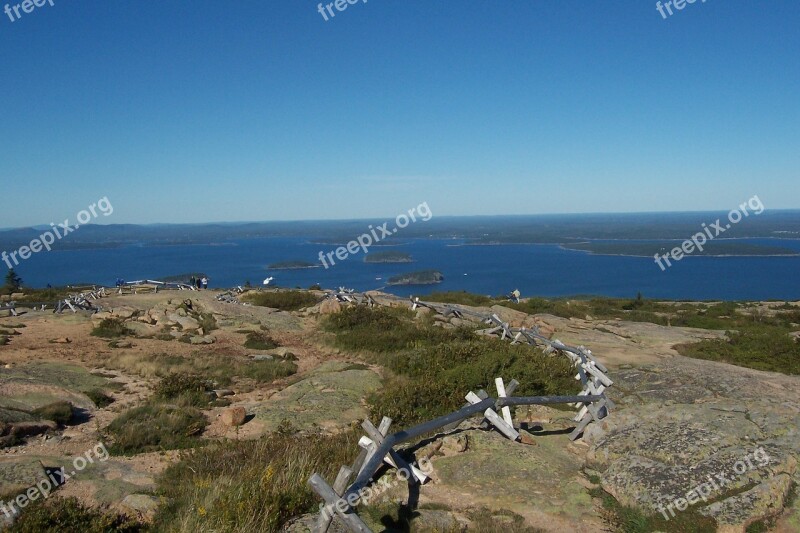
(208, 111)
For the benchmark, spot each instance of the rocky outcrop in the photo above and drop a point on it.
(722, 440)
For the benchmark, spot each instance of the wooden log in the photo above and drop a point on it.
(494, 419)
(339, 505)
(326, 514)
(501, 393)
(393, 457)
(410, 434)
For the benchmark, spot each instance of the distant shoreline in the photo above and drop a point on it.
(592, 252)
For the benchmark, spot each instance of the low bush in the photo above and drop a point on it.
(254, 485)
(632, 520)
(156, 427)
(59, 412)
(68, 514)
(99, 397)
(759, 347)
(110, 328)
(207, 322)
(221, 370)
(461, 298)
(267, 371)
(431, 368)
(283, 300)
(184, 389)
(257, 340)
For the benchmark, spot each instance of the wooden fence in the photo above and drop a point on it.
(378, 446)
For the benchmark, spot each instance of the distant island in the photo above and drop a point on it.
(388, 257)
(292, 265)
(422, 277)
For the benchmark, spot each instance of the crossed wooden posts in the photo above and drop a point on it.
(377, 448)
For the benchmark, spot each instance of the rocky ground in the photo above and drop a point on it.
(677, 421)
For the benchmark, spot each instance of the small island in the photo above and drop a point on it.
(422, 277)
(292, 265)
(388, 257)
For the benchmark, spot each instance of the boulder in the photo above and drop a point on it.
(330, 307)
(123, 312)
(235, 416)
(454, 444)
(122, 344)
(142, 505)
(202, 340)
(188, 323)
(141, 329)
(27, 429)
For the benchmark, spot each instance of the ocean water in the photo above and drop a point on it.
(536, 270)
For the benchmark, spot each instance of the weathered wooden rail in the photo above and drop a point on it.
(154, 285)
(11, 307)
(378, 447)
(230, 296)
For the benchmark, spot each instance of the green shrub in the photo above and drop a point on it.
(207, 322)
(221, 370)
(60, 514)
(759, 347)
(460, 297)
(99, 397)
(184, 389)
(433, 381)
(431, 368)
(283, 300)
(59, 412)
(155, 427)
(385, 330)
(257, 340)
(632, 520)
(267, 371)
(110, 328)
(252, 485)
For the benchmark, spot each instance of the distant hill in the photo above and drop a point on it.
(554, 229)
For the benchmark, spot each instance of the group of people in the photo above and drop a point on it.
(200, 283)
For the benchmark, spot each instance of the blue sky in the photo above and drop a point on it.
(195, 111)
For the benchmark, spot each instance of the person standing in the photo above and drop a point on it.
(205, 282)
